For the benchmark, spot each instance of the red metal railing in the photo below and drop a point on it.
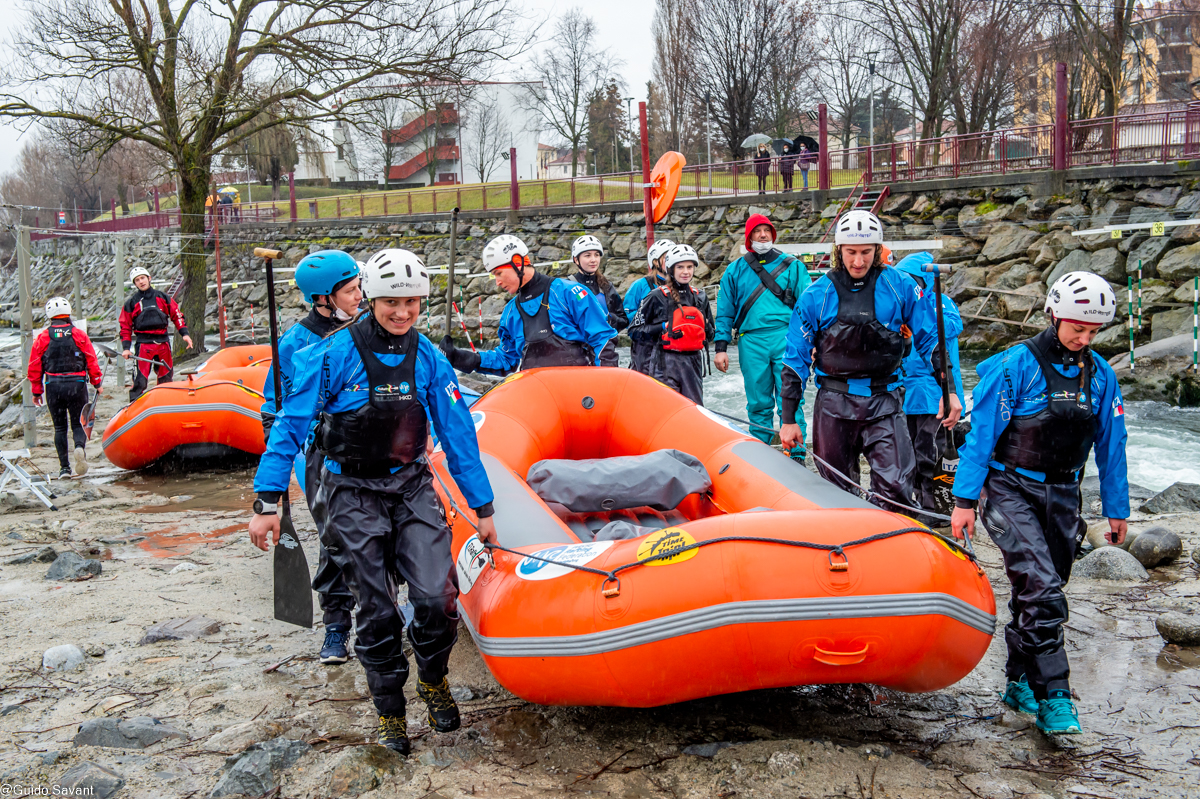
(1159, 136)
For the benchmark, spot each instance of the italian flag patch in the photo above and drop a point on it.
(452, 393)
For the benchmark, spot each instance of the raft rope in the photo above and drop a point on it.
(610, 575)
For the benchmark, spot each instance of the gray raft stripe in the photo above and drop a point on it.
(202, 407)
(751, 612)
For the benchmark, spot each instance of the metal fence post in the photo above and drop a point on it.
(514, 192)
(647, 200)
(119, 296)
(1060, 116)
(823, 177)
(292, 193)
(25, 300)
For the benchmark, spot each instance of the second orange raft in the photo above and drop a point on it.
(907, 611)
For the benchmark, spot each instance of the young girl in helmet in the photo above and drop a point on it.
(641, 351)
(587, 252)
(328, 281)
(679, 319)
(548, 322)
(860, 319)
(61, 364)
(1040, 408)
(377, 383)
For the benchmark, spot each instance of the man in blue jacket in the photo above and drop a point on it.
(860, 319)
(931, 439)
(377, 384)
(549, 321)
(756, 299)
(328, 280)
(1040, 408)
(641, 352)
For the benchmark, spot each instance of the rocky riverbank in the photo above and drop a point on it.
(234, 701)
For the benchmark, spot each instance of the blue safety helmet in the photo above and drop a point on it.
(915, 265)
(324, 272)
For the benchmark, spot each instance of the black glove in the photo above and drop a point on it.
(462, 360)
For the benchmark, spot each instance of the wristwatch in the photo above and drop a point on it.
(264, 508)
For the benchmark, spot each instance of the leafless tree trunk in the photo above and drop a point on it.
(1103, 31)
(843, 73)
(486, 131)
(565, 74)
(673, 66)
(201, 72)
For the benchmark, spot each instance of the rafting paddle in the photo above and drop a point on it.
(293, 593)
(87, 417)
(943, 473)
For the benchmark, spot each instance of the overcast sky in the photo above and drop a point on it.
(623, 27)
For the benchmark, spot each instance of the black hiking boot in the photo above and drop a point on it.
(393, 733)
(443, 711)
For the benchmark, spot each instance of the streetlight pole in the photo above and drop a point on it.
(871, 72)
(629, 118)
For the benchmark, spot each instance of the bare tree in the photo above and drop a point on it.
(382, 114)
(673, 67)
(791, 74)
(486, 130)
(735, 42)
(995, 38)
(272, 149)
(201, 71)
(843, 72)
(1103, 31)
(921, 38)
(565, 74)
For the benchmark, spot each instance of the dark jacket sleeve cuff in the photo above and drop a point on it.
(126, 345)
(969, 504)
(183, 331)
(485, 510)
(270, 497)
(720, 346)
(790, 407)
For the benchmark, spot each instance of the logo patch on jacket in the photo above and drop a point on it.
(1118, 408)
(579, 291)
(452, 393)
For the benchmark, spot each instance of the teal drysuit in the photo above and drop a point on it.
(763, 333)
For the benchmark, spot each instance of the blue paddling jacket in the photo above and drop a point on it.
(575, 315)
(1011, 384)
(330, 377)
(896, 305)
(305, 333)
(637, 293)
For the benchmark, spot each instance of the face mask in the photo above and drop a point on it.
(761, 247)
(341, 315)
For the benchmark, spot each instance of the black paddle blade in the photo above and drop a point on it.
(87, 419)
(293, 591)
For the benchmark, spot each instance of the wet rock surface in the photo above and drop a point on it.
(135, 733)
(90, 779)
(1110, 563)
(180, 629)
(1156, 546)
(814, 741)
(1177, 498)
(1179, 628)
(69, 566)
(255, 771)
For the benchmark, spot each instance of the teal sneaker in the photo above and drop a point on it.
(1019, 696)
(1057, 715)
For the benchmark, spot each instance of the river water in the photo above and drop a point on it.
(1164, 441)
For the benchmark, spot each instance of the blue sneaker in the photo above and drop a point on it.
(1057, 715)
(334, 651)
(1019, 696)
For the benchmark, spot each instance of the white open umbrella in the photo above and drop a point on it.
(755, 139)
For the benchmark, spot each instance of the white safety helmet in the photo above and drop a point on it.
(586, 244)
(657, 250)
(506, 250)
(858, 227)
(1081, 297)
(678, 254)
(394, 273)
(58, 306)
(138, 271)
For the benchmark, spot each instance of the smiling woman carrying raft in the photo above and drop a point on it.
(378, 383)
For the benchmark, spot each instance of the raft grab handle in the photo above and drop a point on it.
(830, 658)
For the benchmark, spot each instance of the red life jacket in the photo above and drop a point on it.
(688, 320)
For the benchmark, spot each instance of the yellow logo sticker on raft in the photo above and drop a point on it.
(666, 541)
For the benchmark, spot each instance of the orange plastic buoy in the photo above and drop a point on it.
(905, 611)
(666, 175)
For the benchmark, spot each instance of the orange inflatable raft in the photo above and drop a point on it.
(200, 415)
(747, 591)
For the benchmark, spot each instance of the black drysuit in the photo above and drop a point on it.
(682, 371)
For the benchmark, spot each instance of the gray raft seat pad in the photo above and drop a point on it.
(659, 480)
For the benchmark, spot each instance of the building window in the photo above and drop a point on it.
(341, 153)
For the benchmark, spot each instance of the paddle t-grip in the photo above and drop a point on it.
(941, 269)
(263, 252)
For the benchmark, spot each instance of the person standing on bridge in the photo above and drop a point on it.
(758, 292)
(1040, 408)
(860, 319)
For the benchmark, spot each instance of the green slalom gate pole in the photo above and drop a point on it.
(1130, 280)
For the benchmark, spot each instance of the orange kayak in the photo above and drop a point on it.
(203, 415)
(740, 587)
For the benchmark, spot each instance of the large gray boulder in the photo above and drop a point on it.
(1179, 628)
(1007, 241)
(1108, 264)
(1165, 197)
(1175, 498)
(1182, 263)
(1075, 261)
(1157, 546)
(71, 567)
(1110, 563)
(135, 733)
